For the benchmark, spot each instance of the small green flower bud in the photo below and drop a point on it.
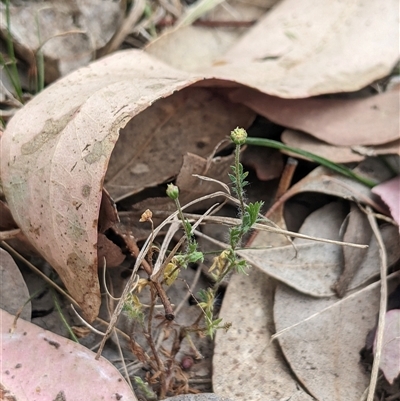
(172, 191)
(238, 136)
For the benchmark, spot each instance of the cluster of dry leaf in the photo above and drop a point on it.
(139, 118)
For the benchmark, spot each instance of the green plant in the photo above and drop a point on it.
(165, 374)
(10, 65)
(338, 168)
(227, 261)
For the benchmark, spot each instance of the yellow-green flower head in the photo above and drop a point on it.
(238, 136)
(172, 191)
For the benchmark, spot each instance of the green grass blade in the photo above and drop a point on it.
(338, 168)
(12, 71)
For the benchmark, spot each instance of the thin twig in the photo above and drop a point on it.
(122, 360)
(4, 235)
(190, 290)
(125, 28)
(38, 272)
(382, 305)
(135, 251)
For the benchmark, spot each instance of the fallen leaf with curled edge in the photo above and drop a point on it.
(57, 149)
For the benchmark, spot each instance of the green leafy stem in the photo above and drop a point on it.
(338, 168)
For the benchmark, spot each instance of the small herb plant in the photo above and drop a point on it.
(227, 261)
(166, 376)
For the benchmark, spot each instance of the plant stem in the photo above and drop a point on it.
(238, 179)
(338, 168)
(13, 71)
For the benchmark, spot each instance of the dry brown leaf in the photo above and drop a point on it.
(341, 122)
(312, 47)
(13, 290)
(106, 249)
(108, 214)
(68, 33)
(190, 187)
(297, 50)
(323, 351)
(267, 162)
(192, 48)
(370, 265)
(312, 267)
(358, 231)
(55, 153)
(194, 187)
(390, 362)
(246, 365)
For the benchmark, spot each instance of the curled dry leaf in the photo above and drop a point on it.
(310, 267)
(150, 150)
(390, 358)
(56, 151)
(67, 370)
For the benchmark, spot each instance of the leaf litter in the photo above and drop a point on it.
(137, 98)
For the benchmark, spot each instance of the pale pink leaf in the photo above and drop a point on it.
(342, 122)
(390, 357)
(38, 365)
(389, 192)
